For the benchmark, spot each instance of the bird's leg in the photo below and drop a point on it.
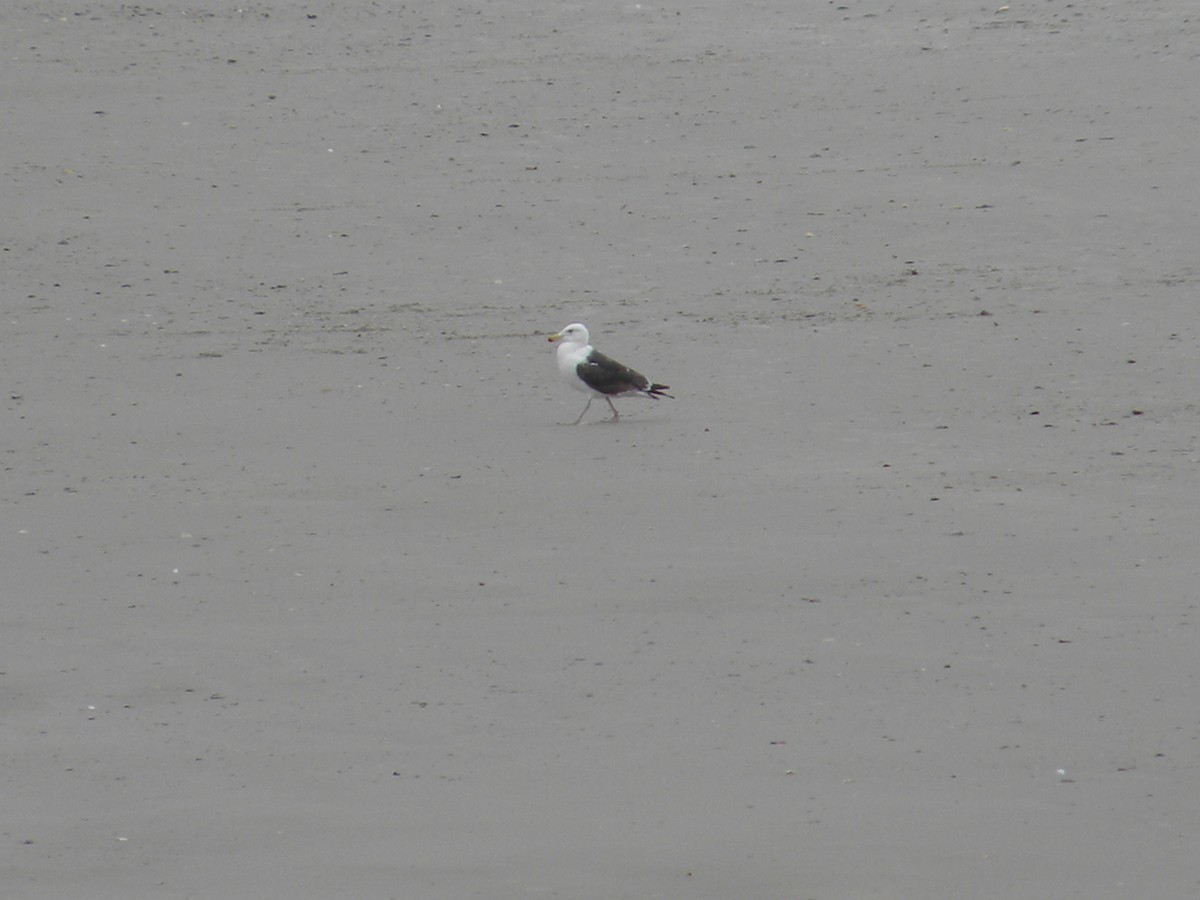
(614, 409)
(582, 414)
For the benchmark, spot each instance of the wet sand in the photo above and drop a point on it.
(309, 593)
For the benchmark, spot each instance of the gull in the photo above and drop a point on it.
(587, 369)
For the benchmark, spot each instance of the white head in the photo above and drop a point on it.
(574, 334)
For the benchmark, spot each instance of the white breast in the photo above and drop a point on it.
(569, 356)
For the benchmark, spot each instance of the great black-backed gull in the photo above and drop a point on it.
(587, 369)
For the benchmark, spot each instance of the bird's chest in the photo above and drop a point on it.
(568, 367)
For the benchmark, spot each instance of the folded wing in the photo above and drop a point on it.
(607, 376)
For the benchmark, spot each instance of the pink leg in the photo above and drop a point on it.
(582, 414)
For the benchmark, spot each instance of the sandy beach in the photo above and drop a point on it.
(309, 592)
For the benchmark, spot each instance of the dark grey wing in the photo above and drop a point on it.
(608, 376)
